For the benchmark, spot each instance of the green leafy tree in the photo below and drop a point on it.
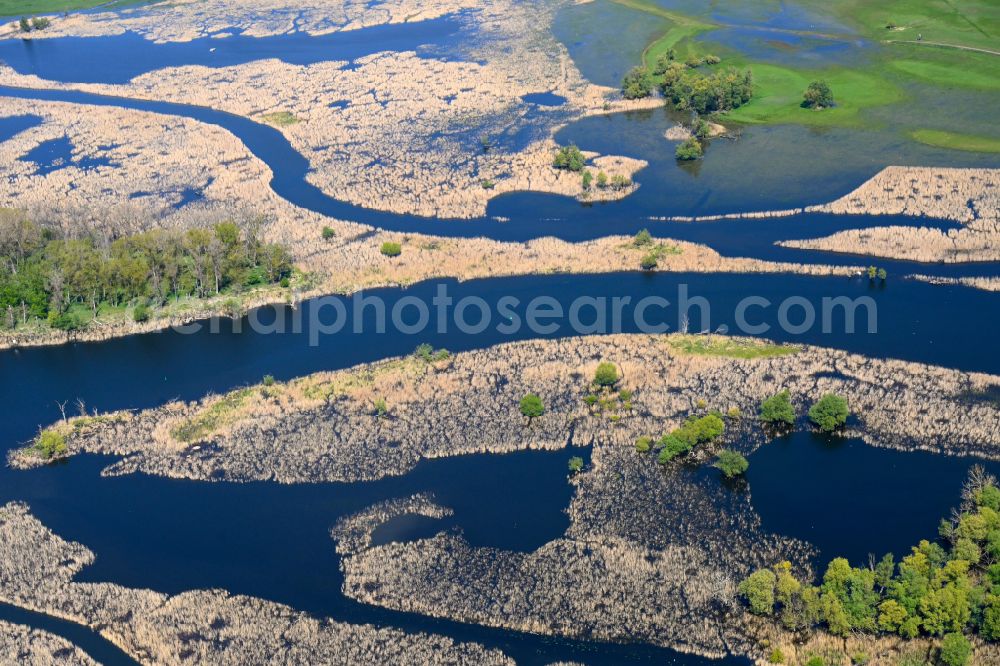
(586, 179)
(391, 249)
(989, 625)
(834, 615)
(732, 463)
(50, 444)
(778, 409)
(570, 158)
(689, 149)
(638, 83)
(643, 444)
(531, 406)
(24, 25)
(818, 95)
(575, 464)
(891, 616)
(328, 233)
(955, 650)
(649, 261)
(829, 413)
(758, 590)
(140, 313)
(606, 374)
(642, 238)
(602, 180)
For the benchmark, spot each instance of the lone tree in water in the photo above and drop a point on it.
(818, 95)
(606, 375)
(575, 464)
(731, 463)
(531, 406)
(778, 409)
(638, 83)
(829, 413)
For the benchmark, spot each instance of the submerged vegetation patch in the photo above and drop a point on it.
(956, 141)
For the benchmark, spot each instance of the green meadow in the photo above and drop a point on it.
(942, 43)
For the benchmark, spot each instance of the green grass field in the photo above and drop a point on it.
(18, 8)
(900, 59)
(778, 96)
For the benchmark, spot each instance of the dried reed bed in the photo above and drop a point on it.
(26, 645)
(984, 283)
(408, 138)
(204, 626)
(353, 533)
(963, 195)
(969, 196)
(977, 241)
(327, 427)
(154, 160)
(185, 20)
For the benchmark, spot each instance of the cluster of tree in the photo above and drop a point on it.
(428, 354)
(36, 23)
(696, 430)
(828, 413)
(603, 398)
(638, 83)
(616, 182)
(948, 588)
(669, 56)
(569, 157)
(44, 274)
(880, 273)
(706, 93)
(817, 96)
